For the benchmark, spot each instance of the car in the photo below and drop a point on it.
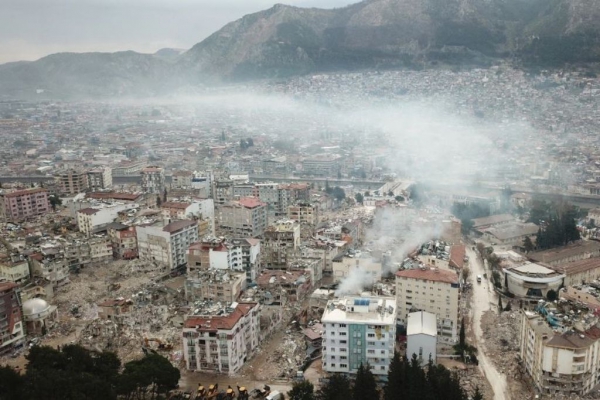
(478, 278)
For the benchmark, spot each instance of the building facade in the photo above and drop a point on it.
(99, 179)
(281, 244)
(167, 245)
(221, 343)
(246, 217)
(12, 330)
(153, 180)
(359, 331)
(432, 290)
(72, 182)
(23, 204)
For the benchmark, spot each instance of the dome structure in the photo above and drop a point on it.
(33, 308)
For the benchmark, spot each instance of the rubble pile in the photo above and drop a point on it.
(501, 334)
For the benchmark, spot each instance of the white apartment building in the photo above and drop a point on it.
(221, 343)
(343, 266)
(153, 180)
(358, 331)
(168, 244)
(181, 179)
(91, 220)
(99, 178)
(13, 268)
(432, 290)
(565, 363)
(201, 209)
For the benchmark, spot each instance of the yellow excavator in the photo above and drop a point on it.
(160, 344)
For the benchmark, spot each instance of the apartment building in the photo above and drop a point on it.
(221, 340)
(167, 244)
(72, 182)
(223, 191)
(93, 220)
(215, 285)
(321, 165)
(12, 331)
(153, 180)
(281, 244)
(181, 179)
(304, 213)
(245, 217)
(201, 209)
(99, 179)
(23, 204)
(432, 290)
(559, 362)
(359, 330)
(123, 239)
(241, 255)
(54, 270)
(13, 268)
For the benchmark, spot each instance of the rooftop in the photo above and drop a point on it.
(372, 311)
(577, 267)
(176, 226)
(213, 323)
(251, 202)
(421, 323)
(582, 247)
(175, 204)
(18, 193)
(491, 220)
(429, 274)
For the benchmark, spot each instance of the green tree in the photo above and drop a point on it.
(12, 384)
(153, 373)
(399, 199)
(359, 198)
(54, 201)
(367, 194)
(528, 244)
(328, 188)
(336, 388)
(158, 201)
(302, 391)
(396, 379)
(461, 333)
(365, 386)
(338, 193)
(165, 195)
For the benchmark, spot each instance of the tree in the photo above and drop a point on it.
(250, 142)
(158, 201)
(338, 193)
(528, 244)
(165, 195)
(336, 388)
(367, 194)
(552, 295)
(222, 135)
(466, 273)
(390, 193)
(461, 334)
(396, 379)
(302, 391)
(328, 188)
(359, 198)
(153, 373)
(54, 201)
(365, 386)
(399, 199)
(12, 385)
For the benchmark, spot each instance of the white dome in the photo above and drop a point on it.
(34, 306)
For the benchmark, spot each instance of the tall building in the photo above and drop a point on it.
(93, 220)
(99, 178)
(432, 290)
(153, 180)
(216, 285)
(12, 331)
(304, 213)
(359, 331)
(22, 204)
(281, 244)
(220, 340)
(167, 245)
(123, 239)
(72, 182)
(245, 217)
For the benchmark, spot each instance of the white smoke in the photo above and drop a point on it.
(356, 281)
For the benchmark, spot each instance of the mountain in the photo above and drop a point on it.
(284, 41)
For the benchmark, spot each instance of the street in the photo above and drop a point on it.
(483, 296)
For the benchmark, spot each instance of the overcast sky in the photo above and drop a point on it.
(30, 29)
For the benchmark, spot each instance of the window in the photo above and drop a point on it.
(371, 335)
(420, 352)
(343, 365)
(342, 325)
(333, 365)
(371, 351)
(371, 343)
(343, 341)
(343, 334)
(343, 358)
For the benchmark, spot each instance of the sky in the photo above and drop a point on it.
(31, 29)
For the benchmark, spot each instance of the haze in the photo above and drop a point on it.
(31, 29)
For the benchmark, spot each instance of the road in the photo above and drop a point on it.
(483, 296)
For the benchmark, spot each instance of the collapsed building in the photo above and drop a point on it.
(214, 284)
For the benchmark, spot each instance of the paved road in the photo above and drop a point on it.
(483, 295)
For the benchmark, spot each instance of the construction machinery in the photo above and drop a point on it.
(206, 394)
(229, 394)
(243, 393)
(160, 344)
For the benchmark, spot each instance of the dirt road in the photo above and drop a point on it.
(483, 296)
